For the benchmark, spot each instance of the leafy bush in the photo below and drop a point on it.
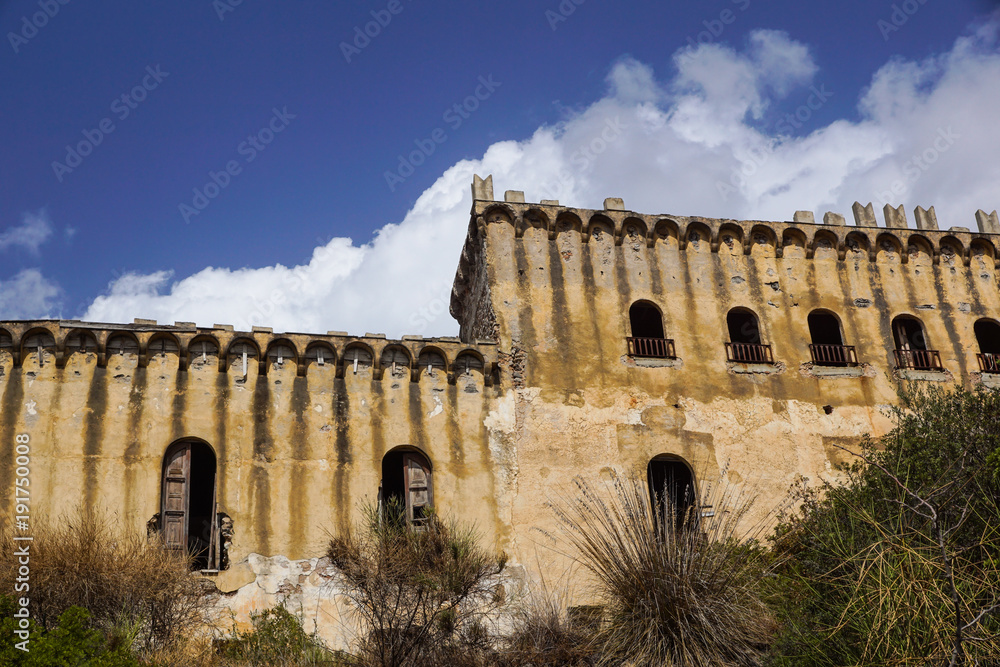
(676, 592)
(128, 584)
(901, 564)
(72, 642)
(277, 638)
(419, 594)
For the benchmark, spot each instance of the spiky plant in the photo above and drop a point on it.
(681, 586)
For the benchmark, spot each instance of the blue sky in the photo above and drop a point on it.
(696, 96)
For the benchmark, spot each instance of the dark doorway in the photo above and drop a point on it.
(988, 337)
(646, 320)
(827, 347)
(908, 334)
(743, 327)
(671, 489)
(406, 493)
(911, 346)
(744, 344)
(824, 329)
(187, 503)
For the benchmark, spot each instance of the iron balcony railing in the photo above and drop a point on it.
(749, 353)
(919, 360)
(833, 355)
(651, 348)
(989, 362)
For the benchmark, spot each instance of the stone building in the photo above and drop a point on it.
(680, 348)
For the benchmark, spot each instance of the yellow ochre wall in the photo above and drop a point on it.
(300, 445)
(554, 285)
(299, 448)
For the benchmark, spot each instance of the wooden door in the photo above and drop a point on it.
(175, 498)
(417, 481)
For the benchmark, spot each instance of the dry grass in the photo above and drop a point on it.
(674, 595)
(419, 596)
(134, 590)
(544, 635)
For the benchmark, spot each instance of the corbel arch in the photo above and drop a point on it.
(241, 354)
(731, 237)
(281, 352)
(765, 237)
(320, 354)
(793, 243)
(888, 248)
(698, 235)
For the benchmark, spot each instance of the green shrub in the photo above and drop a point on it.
(277, 638)
(72, 642)
(900, 565)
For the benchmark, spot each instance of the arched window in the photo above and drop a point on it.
(406, 493)
(188, 515)
(988, 337)
(744, 344)
(647, 339)
(671, 490)
(911, 345)
(827, 347)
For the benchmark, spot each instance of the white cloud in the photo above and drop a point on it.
(688, 145)
(29, 295)
(33, 231)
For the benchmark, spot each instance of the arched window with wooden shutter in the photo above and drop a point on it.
(418, 488)
(188, 513)
(407, 491)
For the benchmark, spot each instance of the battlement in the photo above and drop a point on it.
(260, 350)
(864, 240)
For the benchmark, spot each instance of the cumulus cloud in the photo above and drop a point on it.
(691, 144)
(34, 230)
(29, 295)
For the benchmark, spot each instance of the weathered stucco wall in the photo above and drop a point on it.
(561, 284)
(299, 445)
(507, 425)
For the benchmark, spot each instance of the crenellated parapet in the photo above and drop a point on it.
(260, 350)
(863, 240)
